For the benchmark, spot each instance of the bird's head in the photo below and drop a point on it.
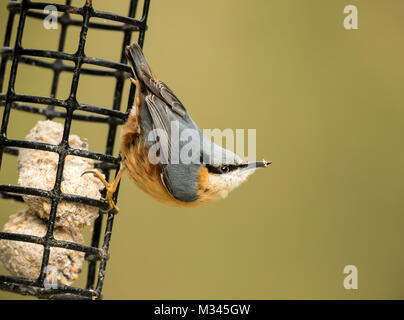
(217, 180)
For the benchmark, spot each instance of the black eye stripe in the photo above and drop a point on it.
(213, 169)
(222, 169)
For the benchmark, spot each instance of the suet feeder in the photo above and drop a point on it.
(51, 108)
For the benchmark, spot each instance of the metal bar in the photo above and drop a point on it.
(65, 103)
(6, 43)
(56, 69)
(54, 148)
(145, 14)
(62, 114)
(92, 25)
(13, 73)
(95, 252)
(8, 282)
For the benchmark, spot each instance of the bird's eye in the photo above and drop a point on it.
(220, 169)
(224, 169)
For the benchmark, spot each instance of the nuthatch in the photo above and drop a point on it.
(180, 183)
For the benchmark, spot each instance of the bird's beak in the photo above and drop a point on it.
(258, 164)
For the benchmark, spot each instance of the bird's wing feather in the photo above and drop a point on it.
(160, 89)
(141, 71)
(159, 112)
(179, 179)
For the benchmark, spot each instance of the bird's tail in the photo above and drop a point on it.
(135, 56)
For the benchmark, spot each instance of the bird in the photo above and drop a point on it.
(210, 173)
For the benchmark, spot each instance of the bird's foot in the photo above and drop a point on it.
(155, 77)
(110, 187)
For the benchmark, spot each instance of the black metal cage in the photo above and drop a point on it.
(113, 117)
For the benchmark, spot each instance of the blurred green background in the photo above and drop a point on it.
(327, 105)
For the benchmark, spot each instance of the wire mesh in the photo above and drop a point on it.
(113, 117)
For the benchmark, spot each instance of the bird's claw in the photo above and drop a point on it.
(110, 187)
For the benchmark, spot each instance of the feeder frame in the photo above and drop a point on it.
(113, 117)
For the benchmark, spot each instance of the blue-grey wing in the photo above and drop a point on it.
(161, 119)
(181, 181)
(179, 175)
